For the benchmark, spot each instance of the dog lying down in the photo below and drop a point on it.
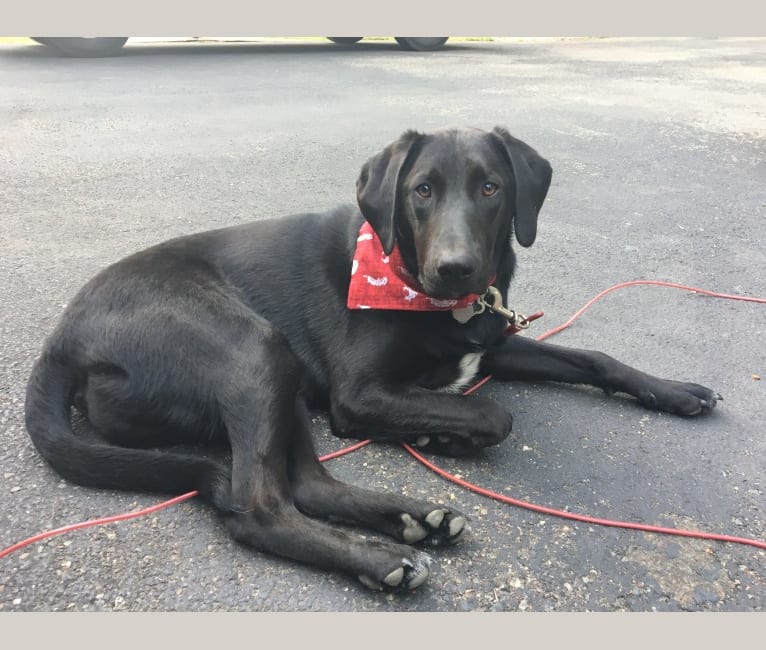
(370, 312)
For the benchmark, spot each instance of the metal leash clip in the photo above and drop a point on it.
(495, 304)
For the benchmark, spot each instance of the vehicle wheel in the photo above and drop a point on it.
(421, 43)
(75, 46)
(345, 40)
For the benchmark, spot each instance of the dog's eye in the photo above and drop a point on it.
(424, 191)
(488, 189)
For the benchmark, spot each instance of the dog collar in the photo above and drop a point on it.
(380, 281)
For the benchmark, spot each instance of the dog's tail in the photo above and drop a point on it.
(99, 464)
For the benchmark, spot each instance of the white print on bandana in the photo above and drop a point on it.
(365, 237)
(409, 294)
(376, 282)
(354, 266)
(385, 259)
(442, 303)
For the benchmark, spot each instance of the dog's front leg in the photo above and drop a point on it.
(517, 357)
(448, 424)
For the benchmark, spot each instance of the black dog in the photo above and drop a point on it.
(229, 334)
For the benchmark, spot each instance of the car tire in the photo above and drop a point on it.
(76, 46)
(345, 40)
(421, 43)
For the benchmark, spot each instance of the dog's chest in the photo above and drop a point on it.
(450, 355)
(454, 378)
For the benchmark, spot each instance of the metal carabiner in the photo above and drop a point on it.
(496, 306)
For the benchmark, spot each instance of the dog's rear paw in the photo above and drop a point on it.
(680, 398)
(438, 527)
(408, 575)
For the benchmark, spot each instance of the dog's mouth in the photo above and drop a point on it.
(440, 290)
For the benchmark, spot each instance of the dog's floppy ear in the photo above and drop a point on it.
(533, 178)
(376, 188)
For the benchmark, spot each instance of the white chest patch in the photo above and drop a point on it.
(467, 369)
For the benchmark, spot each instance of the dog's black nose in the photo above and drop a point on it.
(457, 268)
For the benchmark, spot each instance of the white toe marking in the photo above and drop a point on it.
(418, 579)
(413, 530)
(435, 518)
(456, 525)
(395, 577)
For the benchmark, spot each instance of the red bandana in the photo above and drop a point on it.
(380, 281)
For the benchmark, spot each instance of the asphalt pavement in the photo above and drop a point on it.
(659, 156)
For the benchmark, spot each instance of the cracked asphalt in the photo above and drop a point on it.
(659, 156)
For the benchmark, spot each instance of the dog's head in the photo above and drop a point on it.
(450, 199)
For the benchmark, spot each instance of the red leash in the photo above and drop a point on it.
(465, 484)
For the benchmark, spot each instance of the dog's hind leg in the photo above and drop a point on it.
(318, 494)
(258, 408)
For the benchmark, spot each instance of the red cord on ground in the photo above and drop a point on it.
(146, 511)
(98, 522)
(563, 514)
(465, 484)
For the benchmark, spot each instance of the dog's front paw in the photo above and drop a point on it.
(679, 398)
(498, 425)
(449, 445)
